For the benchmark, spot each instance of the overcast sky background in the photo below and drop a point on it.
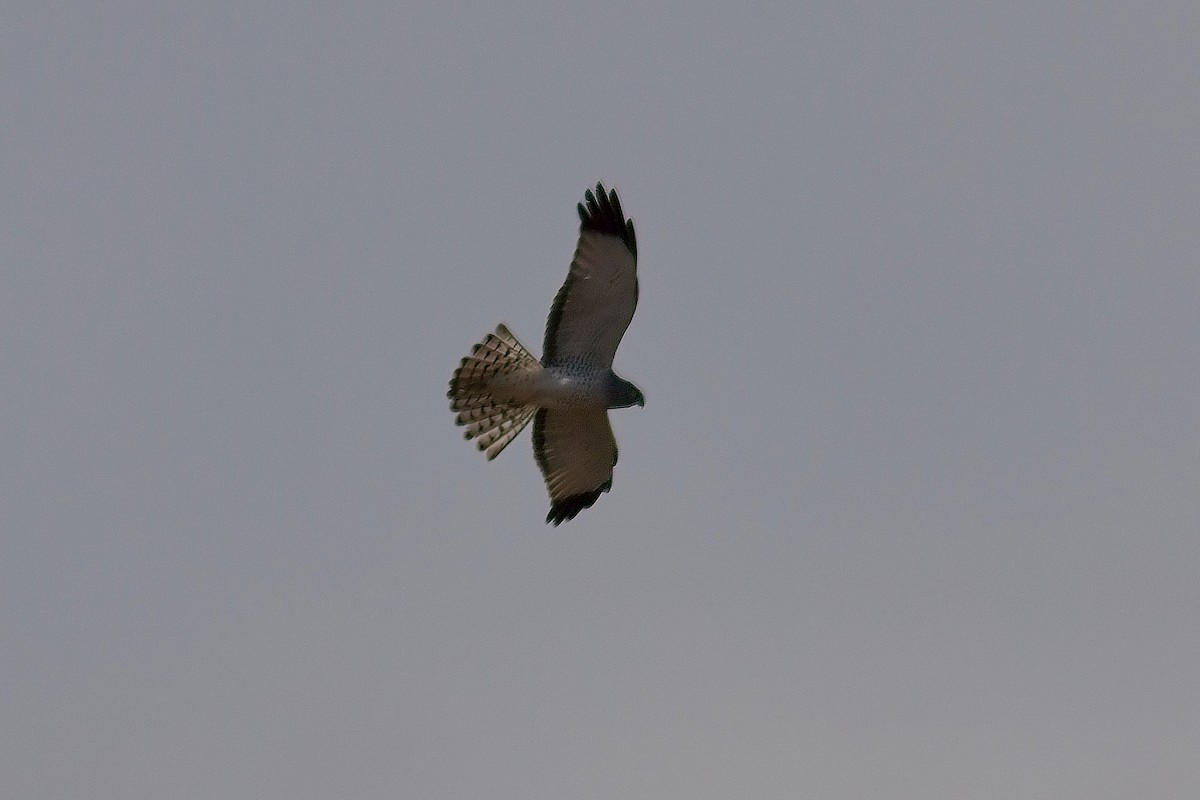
(912, 510)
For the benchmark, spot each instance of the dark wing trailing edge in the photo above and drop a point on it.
(596, 303)
(576, 452)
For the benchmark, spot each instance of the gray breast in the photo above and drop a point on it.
(575, 385)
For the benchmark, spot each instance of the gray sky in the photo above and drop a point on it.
(911, 511)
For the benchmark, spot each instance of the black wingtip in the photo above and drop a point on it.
(601, 212)
(569, 507)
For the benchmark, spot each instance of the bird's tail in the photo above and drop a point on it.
(494, 421)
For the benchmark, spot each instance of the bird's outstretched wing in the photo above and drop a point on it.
(595, 304)
(576, 452)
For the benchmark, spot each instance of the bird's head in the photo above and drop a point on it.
(625, 394)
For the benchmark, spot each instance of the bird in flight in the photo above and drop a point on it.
(500, 387)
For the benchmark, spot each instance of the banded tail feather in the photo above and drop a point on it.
(485, 390)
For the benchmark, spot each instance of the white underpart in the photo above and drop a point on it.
(555, 387)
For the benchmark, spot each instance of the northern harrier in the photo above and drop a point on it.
(500, 387)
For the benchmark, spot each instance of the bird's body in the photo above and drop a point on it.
(500, 387)
(563, 387)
